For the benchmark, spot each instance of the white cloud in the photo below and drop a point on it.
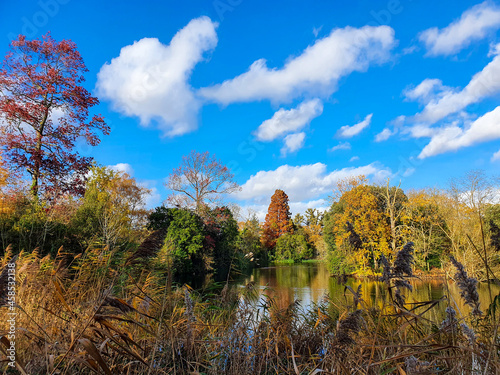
(474, 24)
(286, 121)
(483, 84)
(383, 135)
(301, 207)
(496, 156)
(341, 146)
(350, 131)
(429, 89)
(354, 158)
(150, 80)
(302, 183)
(423, 130)
(122, 167)
(453, 137)
(315, 72)
(293, 142)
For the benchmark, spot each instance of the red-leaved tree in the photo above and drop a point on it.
(44, 111)
(199, 181)
(278, 220)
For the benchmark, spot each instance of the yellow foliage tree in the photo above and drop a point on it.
(369, 221)
(423, 224)
(112, 207)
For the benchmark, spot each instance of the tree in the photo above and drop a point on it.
(199, 181)
(393, 199)
(112, 208)
(184, 244)
(313, 230)
(221, 240)
(293, 247)
(363, 216)
(278, 220)
(476, 190)
(250, 244)
(298, 220)
(423, 225)
(313, 217)
(45, 111)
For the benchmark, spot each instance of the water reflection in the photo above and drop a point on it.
(309, 282)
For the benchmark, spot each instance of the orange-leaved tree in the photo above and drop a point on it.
(278, 219)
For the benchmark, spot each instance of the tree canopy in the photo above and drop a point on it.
(278, 219)
(199, 181)
(45, 111)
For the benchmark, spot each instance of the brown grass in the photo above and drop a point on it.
(90, 314)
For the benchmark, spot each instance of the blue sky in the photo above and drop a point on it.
(289, 94)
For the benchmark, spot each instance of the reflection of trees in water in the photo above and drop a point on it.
(309, 282)
(294, 276)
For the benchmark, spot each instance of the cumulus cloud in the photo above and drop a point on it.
(350, 131)
(454, 137)
(474, 24)
(303, 183)
(448, 101)
(315, 72)
(149, 80)
(286, 121)
(341, 146)
(384, 135)
(293, 142)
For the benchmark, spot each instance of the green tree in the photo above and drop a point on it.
(183, 245)
(293, 247)
(250, 243)
(298, 220)
(339, 260)
(160, 218)
(221, 239)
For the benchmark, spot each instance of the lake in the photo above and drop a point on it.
(309, 282)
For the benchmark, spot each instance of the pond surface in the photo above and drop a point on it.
(309, 282)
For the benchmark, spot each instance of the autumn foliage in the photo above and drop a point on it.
(361, 215)
(278, 219)
(45, 112)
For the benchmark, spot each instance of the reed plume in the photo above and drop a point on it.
(468, 287)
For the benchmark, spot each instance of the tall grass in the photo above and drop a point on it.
(98, 313)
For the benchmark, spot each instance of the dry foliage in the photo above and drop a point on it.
(91, 314)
